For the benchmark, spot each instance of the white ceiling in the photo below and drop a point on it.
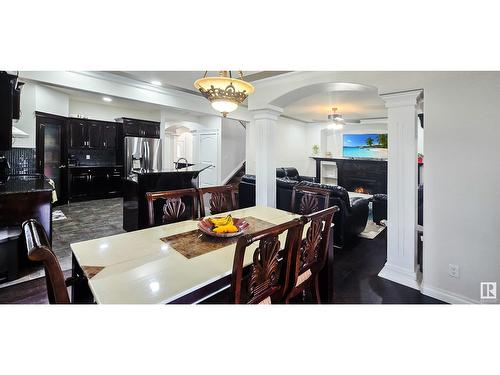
(90, 97)
(185, 79)
(352, 105)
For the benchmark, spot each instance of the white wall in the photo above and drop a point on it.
(107, 112)
(233, 138)
(40, 98)
(296, 139)
(51, 101)
(462, 179)
(291, 146)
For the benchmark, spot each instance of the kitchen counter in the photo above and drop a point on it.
(94, 166)
(135, 210)
(195, 168)
(24, 197)
(16, 184)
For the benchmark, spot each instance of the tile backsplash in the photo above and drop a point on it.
(97, 157)
(21, 160)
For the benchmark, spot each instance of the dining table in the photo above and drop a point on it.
(172, 263)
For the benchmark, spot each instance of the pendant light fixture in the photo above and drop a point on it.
(224, 92)
(336, 118)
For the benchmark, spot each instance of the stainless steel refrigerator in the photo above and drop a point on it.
(142, 154)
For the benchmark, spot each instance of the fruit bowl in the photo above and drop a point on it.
(207, 227)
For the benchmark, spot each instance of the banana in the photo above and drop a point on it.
(229, 228)
(216, 221)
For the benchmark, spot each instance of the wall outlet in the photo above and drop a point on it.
(87, 157)
(454, 270)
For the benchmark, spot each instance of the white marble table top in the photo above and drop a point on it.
(138, 267)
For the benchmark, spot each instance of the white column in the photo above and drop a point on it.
(402, 189)
(264, 141)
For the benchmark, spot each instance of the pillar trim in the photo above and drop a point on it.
(264, 136)
(401, 266)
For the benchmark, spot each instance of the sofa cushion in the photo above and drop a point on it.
(285, 183)
(280, 172)
(335, 191)
(292, 173)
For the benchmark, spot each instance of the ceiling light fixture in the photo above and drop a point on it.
(336, 119)
(156, 83)
(224, 92)
(107, 99)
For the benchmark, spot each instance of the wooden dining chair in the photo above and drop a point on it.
(174, 209)
(309, 258)
(222, 199)
(312, 199)
(265, 281)
(39, 250)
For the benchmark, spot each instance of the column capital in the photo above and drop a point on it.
(268, 113)
(401, 99)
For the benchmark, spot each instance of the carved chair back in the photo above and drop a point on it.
(266, 279)
(312, 199)
(178, 205)
(310, 257)
(222, 199)
(39, 250)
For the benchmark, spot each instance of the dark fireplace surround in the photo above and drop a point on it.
(367, 176)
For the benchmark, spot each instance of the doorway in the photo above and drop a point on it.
(208, 154)
(51, 152)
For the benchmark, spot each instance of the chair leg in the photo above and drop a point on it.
(315, 290)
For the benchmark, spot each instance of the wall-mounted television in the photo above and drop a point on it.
(365, 146)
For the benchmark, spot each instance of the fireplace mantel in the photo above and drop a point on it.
(369, 174)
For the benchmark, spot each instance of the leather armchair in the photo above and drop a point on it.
(246, 191)
(380, 206)
(352, 217)
(292, 173)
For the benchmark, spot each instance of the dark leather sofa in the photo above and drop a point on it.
(349, 221)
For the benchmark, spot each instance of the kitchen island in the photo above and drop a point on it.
(135, 208)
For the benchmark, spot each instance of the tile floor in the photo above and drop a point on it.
(85, 221)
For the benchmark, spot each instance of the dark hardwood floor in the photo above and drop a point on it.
(356, 280)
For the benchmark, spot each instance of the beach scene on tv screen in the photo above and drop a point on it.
(365, 146)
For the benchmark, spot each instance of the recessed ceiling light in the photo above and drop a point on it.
(156, 83)
(107, 99)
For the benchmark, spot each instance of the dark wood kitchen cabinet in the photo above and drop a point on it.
(79, 183)
(139, 128)
(77, 134)
(94, 131)
(91, 134)
(108, 136)
(95, 182)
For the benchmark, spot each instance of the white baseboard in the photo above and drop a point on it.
(446, 296)
(400, 275)
(232, 173)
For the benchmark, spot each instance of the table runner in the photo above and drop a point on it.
(195, 243)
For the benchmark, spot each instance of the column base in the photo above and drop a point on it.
(401, 275)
